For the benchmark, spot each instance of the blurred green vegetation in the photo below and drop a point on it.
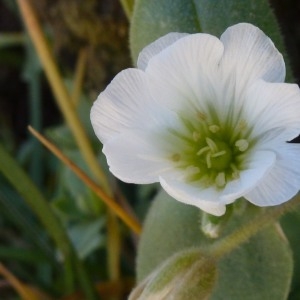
(55, 234)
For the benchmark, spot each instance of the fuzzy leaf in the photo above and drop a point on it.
(259, 269)
(290, 224)
(155, 18)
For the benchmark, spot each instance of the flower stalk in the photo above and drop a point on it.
(265, 218)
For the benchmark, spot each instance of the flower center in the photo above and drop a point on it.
(209, 153)
(217, 154)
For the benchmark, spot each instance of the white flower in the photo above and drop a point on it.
(209, 119)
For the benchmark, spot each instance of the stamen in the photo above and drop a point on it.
(176, 157)
(211, 144)
(214, 128)
(220, 179)
(203, 150)
(219, 153)
(208, 160)
(236, 172)
(242, 145)
(196, 136)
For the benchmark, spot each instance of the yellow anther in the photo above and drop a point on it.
(214, 128)
(211, 144)
(242, 145)
(220, 179)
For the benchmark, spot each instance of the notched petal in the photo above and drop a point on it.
(157, 46)
(125, 104)
(250, 54)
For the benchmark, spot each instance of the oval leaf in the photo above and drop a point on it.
(257, 270)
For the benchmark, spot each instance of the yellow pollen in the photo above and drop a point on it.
(220, 179)
(214, 128)
(211, 144)
(242, 145)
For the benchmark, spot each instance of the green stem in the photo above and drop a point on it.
(249, 229)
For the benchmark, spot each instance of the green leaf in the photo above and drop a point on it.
(87, 237)
(153, 19)
(40, 206)
(72, 193)
(291, 224)
(258, 269)
(16, 212)
(166, 220)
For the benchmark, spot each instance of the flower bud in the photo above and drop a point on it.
(189, 274)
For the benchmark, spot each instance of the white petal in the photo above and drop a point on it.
(184, 73)
(194, 195)
(212, 200)
(157, 46)
(249, 54)
(125, 103)
(272, 106)
(134, 156)
(282, 182)
(259, 164)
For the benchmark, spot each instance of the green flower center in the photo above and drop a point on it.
(217, 154)
(210, 153)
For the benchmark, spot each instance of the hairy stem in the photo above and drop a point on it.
(249, 229)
